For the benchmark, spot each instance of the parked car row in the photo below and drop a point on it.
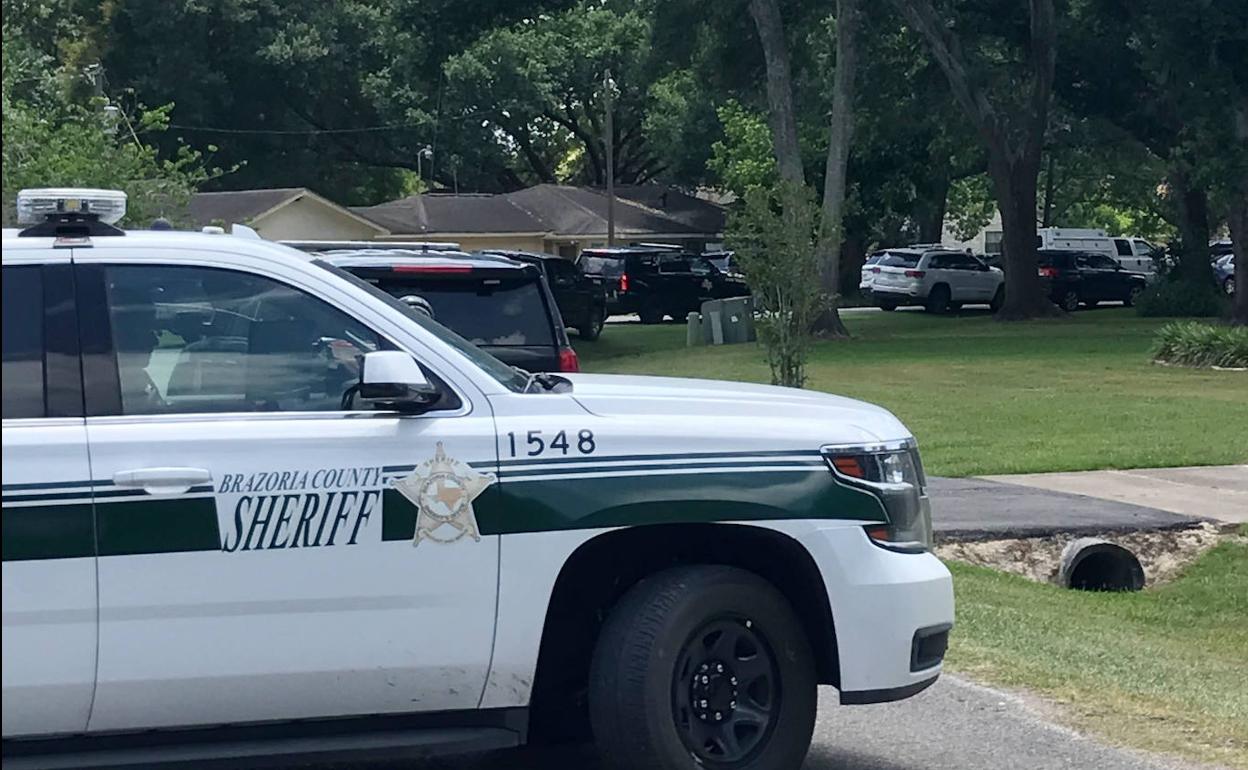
(656, 282)
(941, 279)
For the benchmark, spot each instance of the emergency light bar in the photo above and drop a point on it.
(35, 206)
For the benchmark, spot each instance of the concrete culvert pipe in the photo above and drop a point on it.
(1089, 564)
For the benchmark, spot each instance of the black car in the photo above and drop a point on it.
(1083, 278)
(503, 306)
(658, 282)
(581, 298)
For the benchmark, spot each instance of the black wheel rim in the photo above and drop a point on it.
(1071, 301)
(726, 692)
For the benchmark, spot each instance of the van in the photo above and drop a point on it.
(1135, 254)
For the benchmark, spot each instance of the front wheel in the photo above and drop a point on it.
(703, 666)
(1228, 286)
(938, 300)
(1133, 296)
(650, 315)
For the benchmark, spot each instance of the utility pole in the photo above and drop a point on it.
(609, 88)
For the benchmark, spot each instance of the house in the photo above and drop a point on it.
(557, 219)
(986, 241)
(283, 213)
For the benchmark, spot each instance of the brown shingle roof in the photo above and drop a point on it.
(237, 206)
(450, 213)
(550, 208)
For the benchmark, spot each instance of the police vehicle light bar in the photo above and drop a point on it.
(35, 206)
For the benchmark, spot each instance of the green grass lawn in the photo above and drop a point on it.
(985, 397)
(1164, 669)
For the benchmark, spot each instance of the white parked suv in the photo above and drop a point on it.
(939, 279)
(257, 508)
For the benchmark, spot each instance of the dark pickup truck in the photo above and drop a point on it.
(655, 283)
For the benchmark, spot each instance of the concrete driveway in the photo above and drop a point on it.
(1216, 492)
(955, 725)
(987, 509)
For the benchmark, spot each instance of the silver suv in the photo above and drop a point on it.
(939, 279)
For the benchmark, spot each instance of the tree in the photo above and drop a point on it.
(1165, 73)
(539, 83)
(840, 137)
(774, 233)
(783, 119)
(1011, 119)
(51, 141)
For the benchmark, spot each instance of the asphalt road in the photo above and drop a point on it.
(978, 509)
(955, 725)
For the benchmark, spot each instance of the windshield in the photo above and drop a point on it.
(506, 376)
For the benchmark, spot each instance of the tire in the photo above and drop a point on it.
(1228, 286)
(955, 307)
(998, 300)
(1070, 301)
(887, 307)
(650, 315)
(661, 648)
(938, 299)
(1133, 296)
(591, 329)
(1090, 303)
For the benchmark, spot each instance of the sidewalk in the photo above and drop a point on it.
(1216, 492)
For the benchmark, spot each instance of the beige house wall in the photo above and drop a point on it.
(308, 219)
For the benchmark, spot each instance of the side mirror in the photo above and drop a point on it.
(391, 379)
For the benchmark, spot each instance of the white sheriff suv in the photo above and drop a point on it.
(255, 508)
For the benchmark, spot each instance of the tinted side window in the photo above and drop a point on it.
(23, 371)
(191, 339)
(1102, 262)
(1123, 246)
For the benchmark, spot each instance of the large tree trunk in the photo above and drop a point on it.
(766, 14)
(1193, 207)
(1237, 218)
(840, 137)
(931, 202)
(1015, 190)
(1014, 140)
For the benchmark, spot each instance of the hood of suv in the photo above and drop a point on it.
(785, 412)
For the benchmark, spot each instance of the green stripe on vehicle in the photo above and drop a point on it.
(64, 531)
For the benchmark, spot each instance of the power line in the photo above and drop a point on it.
(296, 132)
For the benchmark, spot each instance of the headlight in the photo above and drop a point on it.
(893, 473)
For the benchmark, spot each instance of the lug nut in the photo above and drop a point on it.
(732, 680)
(718, 716)
(719, 667)
(706, 679)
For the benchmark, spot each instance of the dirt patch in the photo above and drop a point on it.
(1163, 555)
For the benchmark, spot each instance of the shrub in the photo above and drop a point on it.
(1190, 343)
(773, 232)
(1181, 299)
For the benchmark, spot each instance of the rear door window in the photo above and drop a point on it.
(486, 311)
(600, 265)
(23, 371)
